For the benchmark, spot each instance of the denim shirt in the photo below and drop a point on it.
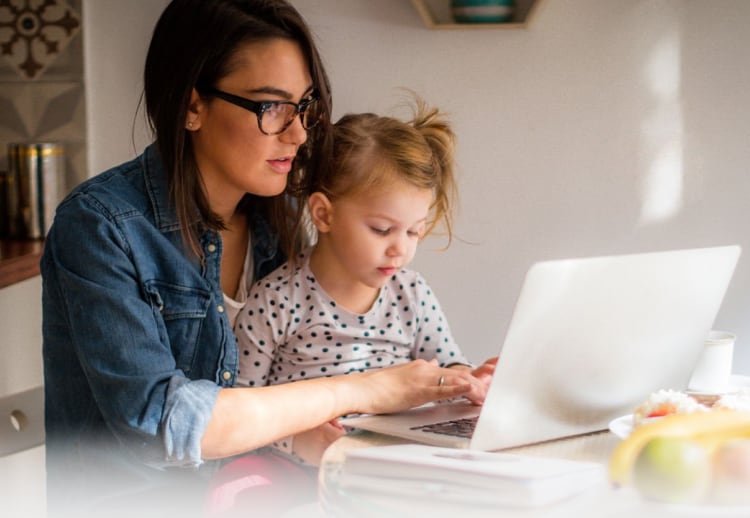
(136, 341)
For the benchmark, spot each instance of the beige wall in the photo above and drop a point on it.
(606, 127)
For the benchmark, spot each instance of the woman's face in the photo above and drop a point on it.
(233, 155)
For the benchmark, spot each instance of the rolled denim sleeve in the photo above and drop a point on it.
(187, 412)
(133, 342)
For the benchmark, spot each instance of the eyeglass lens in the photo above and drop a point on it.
(278, 116)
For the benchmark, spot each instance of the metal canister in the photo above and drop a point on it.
(35, 173)
(4, 204)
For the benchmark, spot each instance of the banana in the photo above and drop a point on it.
(707, 428)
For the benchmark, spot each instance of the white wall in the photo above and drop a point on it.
(606, 127)
(115, 40)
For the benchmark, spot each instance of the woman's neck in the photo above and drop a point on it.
(234, 250)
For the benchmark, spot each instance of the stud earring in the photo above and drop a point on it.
(190, 124)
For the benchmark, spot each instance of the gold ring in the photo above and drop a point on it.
(441, 381)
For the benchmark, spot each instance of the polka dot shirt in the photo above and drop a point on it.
(290, 329)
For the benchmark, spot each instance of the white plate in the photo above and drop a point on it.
(622, 426)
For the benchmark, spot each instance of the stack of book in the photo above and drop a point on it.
(415, 471)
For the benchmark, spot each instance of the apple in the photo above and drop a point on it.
(673, 469)
(732, 472)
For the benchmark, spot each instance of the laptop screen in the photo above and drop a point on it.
(591, 338)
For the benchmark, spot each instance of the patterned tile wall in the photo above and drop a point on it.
(41, 80)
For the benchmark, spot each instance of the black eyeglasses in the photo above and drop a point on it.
(275, 116)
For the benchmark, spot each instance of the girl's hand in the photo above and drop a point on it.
(401, 387)
(483, 374)
(485, 371)
(311, 445)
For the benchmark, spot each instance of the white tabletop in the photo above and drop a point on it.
(601, 501)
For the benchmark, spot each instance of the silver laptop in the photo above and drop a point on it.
(589, 340)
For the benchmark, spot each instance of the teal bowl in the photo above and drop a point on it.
(482, 11)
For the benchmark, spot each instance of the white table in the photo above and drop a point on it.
(603, 501)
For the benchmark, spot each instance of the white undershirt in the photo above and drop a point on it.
(234, 304)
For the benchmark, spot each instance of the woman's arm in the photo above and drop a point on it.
(248, 418)
(116, 293)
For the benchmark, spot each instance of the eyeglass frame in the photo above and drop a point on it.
(260, 107)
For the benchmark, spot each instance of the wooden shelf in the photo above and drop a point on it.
(19, 260)
(436, 14)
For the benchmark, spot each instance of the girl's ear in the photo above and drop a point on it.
(321, 211)
(195, 108)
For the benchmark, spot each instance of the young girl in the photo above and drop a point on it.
(350, 304)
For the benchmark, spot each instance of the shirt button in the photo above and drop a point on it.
(226, 375)
(220, 308)
(212, 248)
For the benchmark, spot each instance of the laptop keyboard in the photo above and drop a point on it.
(455, 427)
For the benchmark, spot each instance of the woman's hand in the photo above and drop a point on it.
(311, 445)
(401, 387)
(292, 408)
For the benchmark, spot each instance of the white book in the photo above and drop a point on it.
(417, 470)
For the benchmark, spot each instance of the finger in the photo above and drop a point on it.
(334, 433)
(484, 370)
(336, 424)
(452, 390)
(476, 389)
(464, 379)
(458, 375)
(490, 364)
(476, 401)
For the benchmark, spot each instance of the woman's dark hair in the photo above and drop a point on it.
(192, 46)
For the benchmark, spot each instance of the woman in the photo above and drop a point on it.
(146, 264)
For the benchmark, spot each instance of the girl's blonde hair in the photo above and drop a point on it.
(370, 150)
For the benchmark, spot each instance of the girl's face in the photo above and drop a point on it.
(370, 236)
(233, 155)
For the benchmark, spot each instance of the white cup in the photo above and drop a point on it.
(712, 372)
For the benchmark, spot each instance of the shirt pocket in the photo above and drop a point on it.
(182, 310)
